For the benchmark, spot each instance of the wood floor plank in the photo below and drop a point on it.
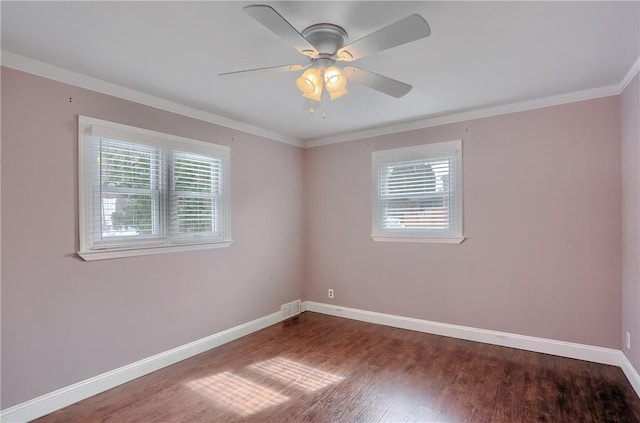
(319, 368)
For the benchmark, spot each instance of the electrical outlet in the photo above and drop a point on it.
(330, 293)
(628, 340)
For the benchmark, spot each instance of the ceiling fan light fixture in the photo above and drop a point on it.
(310, 84)
(335, 82)
(325, 44)
(316, 95)
(337, 94)
(333, 76)
(307, 81)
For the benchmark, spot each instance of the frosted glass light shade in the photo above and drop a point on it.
(335, 82)
(333, 77)
(310, 84)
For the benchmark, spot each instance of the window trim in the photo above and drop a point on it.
(89, 127)
(428, 151)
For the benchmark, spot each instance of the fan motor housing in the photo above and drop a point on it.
(326, 38)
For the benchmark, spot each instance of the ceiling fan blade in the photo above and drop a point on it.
(260, 71)
(404, 31)
(380, 83)
(273, 21)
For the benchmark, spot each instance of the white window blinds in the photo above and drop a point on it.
(196, 196)
(417, 193)
(127, 192)
(149, 192)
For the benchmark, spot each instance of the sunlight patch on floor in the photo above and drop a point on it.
(299, 375)
(236, 393)
(243, 396)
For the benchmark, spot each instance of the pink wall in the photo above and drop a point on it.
(630, 122)
(65, 320)
(542, 219)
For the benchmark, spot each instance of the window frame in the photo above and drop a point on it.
(427, 152)
(167, 145)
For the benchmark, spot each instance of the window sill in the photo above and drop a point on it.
(113, 254)
(379, 238)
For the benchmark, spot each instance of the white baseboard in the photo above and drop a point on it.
(522, 342)
(68, 395)
(530, 343)
(630, 373)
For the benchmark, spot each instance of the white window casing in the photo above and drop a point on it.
(143, 192)
(417, 193)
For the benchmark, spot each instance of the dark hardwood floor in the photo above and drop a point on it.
(319, 368)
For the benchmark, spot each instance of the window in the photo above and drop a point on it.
(143, 192)
(418, 193)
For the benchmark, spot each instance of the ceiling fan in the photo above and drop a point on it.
(325, 45)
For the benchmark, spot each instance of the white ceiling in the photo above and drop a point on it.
(479, 54)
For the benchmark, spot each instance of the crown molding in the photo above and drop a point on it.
(605, 91)
(36, 67)
(635, 68)
(428, 122)
(25, 64)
